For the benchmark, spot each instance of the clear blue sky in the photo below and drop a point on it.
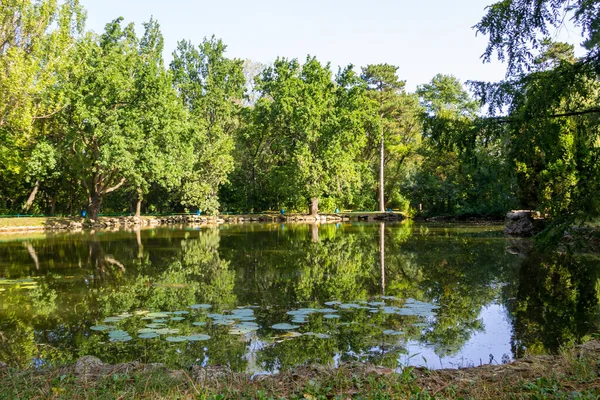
(423, 37)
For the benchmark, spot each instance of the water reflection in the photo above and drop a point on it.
(53, 288)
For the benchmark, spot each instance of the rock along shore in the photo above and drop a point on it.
(15, 225)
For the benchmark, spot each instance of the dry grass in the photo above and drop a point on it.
(574, 374)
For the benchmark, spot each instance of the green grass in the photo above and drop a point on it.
(568, 376)
(24, 221)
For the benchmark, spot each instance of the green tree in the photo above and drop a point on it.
(552, 113)
(305, 134)
(162, 118)
(122, 122)
(387, 91)
(211, 87)
(36, 51)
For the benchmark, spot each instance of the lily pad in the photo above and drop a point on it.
(223, 321)
(199, 323)
(177, 318)
(167, 331)
(155, 326)
(349, 306)
(284, 327)
(200, 306)
(159, 321)
(376, 303)
(331, 316)
(176, 339)
(197, 337)
(148, 335)
(332, 303)
(392, 332)
(326, 310)
(101, 328)
(120, 338)
(181, 313)
(146, 330)
(117, 333)
(243, 312)
(158, 315)
(242, 329)
(246, 318)
(301, 312)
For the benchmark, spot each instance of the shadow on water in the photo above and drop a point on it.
(367, 292)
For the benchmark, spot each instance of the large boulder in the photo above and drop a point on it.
(520, 223)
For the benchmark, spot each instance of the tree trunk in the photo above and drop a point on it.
(53, 204)
(314, 206)
(31, 197)
(94, 206)
(382, 255)
(138, 206)
(381, 171)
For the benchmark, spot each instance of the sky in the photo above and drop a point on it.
(423, 38)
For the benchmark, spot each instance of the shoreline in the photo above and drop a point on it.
(573, 372)
(75, 224)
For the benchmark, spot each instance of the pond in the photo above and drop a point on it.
(262, 298)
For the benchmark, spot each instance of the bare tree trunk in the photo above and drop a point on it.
(138, 206)
(381, 171)
(382, 255)
(314, 206)
(31, 197)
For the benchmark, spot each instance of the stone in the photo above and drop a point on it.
(519, 223)
(87, 365)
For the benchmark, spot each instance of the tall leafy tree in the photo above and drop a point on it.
(211, 87)
(123, 120)
(385, 85)
(308, 131)
(162, 118)
(551, 103)
(36, 50)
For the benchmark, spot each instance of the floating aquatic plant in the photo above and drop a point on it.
(284, 327)
(200, 306)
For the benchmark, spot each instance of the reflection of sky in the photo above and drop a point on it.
(495, 340)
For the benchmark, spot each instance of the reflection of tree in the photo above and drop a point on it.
(458, 271)
(553, 302)
(272, 265)
(197, 275)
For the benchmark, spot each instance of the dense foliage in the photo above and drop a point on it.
(98, 122)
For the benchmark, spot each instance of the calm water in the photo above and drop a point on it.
(266, 297)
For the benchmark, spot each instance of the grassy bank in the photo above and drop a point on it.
(573, 374)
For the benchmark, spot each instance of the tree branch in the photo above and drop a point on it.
(118, 185)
